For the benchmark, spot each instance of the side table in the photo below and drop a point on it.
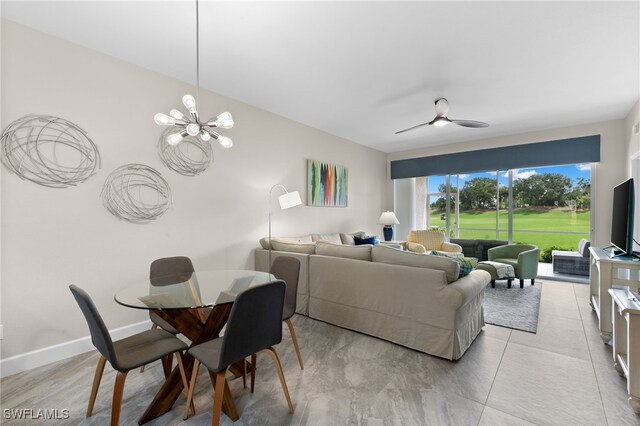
(626, 342)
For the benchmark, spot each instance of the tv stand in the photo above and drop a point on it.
(612, 251)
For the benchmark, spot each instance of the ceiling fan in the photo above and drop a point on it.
(442, 107)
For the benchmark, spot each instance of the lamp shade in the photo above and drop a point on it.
(290, 199)
(388, 218)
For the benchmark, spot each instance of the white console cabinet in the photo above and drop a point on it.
(608, 272)
(626, 342)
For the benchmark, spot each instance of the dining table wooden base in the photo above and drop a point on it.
(189, 323)
(197, 304)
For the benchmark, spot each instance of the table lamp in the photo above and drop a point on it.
(286, 200)
(388, 219)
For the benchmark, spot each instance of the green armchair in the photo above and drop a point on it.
(523, 257)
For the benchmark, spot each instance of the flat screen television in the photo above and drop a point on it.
(622, 218)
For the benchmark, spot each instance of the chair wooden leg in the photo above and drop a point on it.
(185, 384)
(533, 281)
(218, 396)
(294, 338)
(244, 373)
(96, 384)
(276, 361)
(167, 363)
(521, 283)
(194, 376)
(153, 327)
(253, 372)
(117, 397)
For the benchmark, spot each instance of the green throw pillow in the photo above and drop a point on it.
(466, 263)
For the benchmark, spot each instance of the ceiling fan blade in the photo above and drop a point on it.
(411, 128)
(470, 123)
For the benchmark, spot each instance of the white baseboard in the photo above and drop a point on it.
(44, 356)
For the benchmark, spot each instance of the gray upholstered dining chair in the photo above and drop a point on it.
(254, 325)
(287, 269)
(125, 354)
(167, 271)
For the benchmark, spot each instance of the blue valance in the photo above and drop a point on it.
(584, 149)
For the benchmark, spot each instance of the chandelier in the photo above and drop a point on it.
(191, 125)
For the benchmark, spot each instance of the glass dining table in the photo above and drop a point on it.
(197, 304)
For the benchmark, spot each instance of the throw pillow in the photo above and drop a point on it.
(365, 240)
(348, 238)
(583, 247)
(466, 265)
(416, 247)
(329, 238)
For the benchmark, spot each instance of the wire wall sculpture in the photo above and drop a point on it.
(191, 157)
(49, 151)
(136, 193)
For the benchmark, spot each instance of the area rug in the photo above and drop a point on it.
(513, 307)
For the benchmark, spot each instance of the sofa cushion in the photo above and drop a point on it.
(348, 238)
(360, 252)
(306, 248)
(508, 261)
(373, 240)
(384, 254)
(305, 239)
(330, 238)
(466, 265)
(583, 247)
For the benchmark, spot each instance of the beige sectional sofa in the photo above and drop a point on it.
(415, 300)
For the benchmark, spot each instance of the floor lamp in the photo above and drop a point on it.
(286, 200)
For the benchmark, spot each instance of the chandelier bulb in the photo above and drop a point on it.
(176, 114)
(193, 129)
(164, 120)
(174, 138)
(225, 142)
(223, 121)
(205, 136)
(189, 102)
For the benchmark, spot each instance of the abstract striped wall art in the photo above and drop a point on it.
(327, 184)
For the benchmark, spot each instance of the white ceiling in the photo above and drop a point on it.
(363, 70)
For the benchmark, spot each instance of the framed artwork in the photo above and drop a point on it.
(327, 184)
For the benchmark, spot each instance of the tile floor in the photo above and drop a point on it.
(561, 375)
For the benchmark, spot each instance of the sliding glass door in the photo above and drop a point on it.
(546, 206)
(552, 206)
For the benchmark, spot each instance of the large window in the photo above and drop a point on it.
(552, 206)
(546, 206)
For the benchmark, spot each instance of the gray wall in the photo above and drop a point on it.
(633, 154)
(55, 237)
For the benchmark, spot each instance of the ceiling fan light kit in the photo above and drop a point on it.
(441, 119)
